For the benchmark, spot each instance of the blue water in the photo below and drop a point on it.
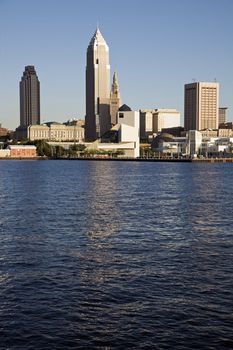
(111, 255)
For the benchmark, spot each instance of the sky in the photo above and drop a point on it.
(156, 46)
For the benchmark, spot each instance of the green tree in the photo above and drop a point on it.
(43, 148)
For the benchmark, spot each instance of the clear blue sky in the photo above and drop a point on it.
(156, 46)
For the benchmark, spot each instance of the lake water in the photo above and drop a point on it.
(116, 255)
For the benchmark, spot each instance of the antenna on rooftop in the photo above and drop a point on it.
(194, 80)
(215, 80)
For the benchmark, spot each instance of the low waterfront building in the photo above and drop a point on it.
(124, 136)
(5, 153)
(52, 131)
(22, 151)
(225, 133)
(206, 133)
(193, 144)
(165, 143)
(217, 146)
(176, 131)
(194, 140)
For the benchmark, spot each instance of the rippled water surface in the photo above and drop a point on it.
(111, 255)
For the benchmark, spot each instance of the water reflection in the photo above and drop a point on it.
(97, 254)
(104, 214)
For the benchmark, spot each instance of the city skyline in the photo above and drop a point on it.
(154, 48)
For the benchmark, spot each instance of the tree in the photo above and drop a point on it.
(76, 149)
(43, 148)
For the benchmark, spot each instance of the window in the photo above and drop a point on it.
(121, 115)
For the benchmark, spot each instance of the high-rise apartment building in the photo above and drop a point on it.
(29, 98)
(201, 106)
(97, 120)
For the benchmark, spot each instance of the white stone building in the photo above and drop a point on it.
(165, 118)
(57, 132)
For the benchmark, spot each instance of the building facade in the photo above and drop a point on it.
(165, 118)
(57, 132)
(124, 136)
(222, 118)
(29, 97)
(97, 120)
(146, 123)
(201, 106)
(22, 151)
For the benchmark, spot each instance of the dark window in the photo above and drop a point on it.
(121, 115)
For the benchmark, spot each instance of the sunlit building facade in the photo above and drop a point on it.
(201, 110)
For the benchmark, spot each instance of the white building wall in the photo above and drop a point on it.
(5, 153)
(165, 118)
(130, 129)
(195, 140)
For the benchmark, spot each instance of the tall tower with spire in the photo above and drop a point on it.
(115, 100)
(97, 120)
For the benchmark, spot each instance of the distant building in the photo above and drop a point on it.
(227, 125)
(22, 151)
(225, 133)
(201, 110)
(129, 128)
(146, 123)
(207, 133)
(52, 131)
(3, 131)
(29, 98)
(176, 131)
(97, 120)
(169, 145)
(115, 100)
(225, 130)
(5, 153)
(165, 118)
(124, 136)
(222, 117)
(194, 141)
(153, 121)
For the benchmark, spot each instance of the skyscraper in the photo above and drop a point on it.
(29, 98)
(115, 100)
(97, 120)
(201, 108)
(222, 115)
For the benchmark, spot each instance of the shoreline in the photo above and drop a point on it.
(194, 160)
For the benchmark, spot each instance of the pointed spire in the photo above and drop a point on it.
(97, 38)
(115, 85)
(115, 80)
